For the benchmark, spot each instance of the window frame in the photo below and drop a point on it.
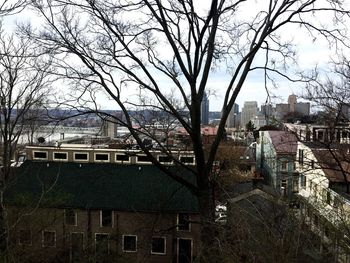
(43, 238)
(39, 158)
(187, 156)
(178, 226)
(59, 159)
(75, 217)
(81, 160)
(108, 244)
(30, 243)
(101, 218)
(166, 156)
(121, 161)
(123, 243)
(102, 161)
(164, 242)
(143, 162)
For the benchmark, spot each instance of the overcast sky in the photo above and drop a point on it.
(310, 53)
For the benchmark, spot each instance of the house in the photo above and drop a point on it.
(324, 194)
(275, 155)
(261, 227)
(76, 204)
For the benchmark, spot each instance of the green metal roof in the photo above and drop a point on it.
(100, 186)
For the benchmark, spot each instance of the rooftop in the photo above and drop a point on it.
(100, 186)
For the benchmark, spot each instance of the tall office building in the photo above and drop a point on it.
(292, 101)
(232, 121)
(205, 110)
(249, 111)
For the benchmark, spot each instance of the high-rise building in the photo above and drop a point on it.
(249, 111)
(232, 117)
(292, 101)
(205, 110)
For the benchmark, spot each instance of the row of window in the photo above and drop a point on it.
(107, 219)
(129, 242)
(105, 157)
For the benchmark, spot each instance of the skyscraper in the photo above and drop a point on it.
(249, 111)
(205, 110)
(232, 117)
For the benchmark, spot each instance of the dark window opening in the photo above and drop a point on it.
(143, 158)
(49, 239)
(81, 156)
(183, 222)
(60, 156)
(165, 159)
(129, 243)
(77, 246)
(40, 155)
(106, 218)
(101, 245)
(158, 245)
(186, 159)
(71, 217)
(122, 158)
(101, 157)
(25, 237)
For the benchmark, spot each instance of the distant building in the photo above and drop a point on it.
(249, 111)
(205, 110)
(303, 108)
(292, 101)
(232, 117)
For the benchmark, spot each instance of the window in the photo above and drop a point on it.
(312, 164)
(284, 166)
(122, 158)
(101, 244)
(187, 159)
(60, 156)
(165, 159)
(129, 243)
(102, 157)
(284, 186)
(183, 222)
(295, 184)
(302, 181)
(25, 237)
(70, 217)
(301, 156)
(106, 218)
(40, 155)
(143, 159)
(158, 245)
(48, 238)
(81, 156)
(77, 246)
(328, 197)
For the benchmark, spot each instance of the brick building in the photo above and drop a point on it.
(100, 205)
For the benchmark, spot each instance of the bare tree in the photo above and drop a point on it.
(135, 45)
(23, 86)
